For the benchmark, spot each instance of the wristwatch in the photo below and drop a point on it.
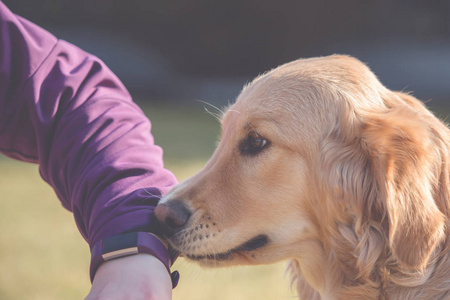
(128, 244)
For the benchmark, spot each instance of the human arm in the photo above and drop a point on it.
(65, 110)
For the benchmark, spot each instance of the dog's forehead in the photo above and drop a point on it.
(289, 104)
(246, 115)
(311, 92)
(273, 100)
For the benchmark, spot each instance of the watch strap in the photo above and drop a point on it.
(129, 244)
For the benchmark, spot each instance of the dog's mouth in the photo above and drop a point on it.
(255, 243)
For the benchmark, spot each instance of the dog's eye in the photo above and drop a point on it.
(255, 141)
(254, 144)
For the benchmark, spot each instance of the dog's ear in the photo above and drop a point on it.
(404, 164)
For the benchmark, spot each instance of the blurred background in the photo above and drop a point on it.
(181, 50)
(172, 53)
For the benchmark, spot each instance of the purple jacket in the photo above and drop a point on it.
(64, 109)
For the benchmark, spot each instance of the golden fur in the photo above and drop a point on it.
(352, 186)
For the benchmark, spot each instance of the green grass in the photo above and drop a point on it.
(42, 255)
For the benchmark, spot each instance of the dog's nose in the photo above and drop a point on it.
(172, 216)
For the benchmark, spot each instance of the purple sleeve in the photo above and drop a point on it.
(64, 109)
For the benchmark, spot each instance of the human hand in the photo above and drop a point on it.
(135, 277)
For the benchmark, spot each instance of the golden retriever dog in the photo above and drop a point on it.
(320, 164)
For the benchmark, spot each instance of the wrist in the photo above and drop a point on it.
(140, 276)
(129, 244)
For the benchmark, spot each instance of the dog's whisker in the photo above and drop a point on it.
(217, 115)
(232, 110)
(211, 105)
(181, 233)
(152, 183)
(151, 194)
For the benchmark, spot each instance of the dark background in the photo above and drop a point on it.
(184, 50)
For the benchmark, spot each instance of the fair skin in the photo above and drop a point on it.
(135, 277)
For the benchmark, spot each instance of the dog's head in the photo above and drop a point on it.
(309, 148)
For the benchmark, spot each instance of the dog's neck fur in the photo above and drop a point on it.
(342, 276)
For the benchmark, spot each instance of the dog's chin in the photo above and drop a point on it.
(242, 254)
(228, 259)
